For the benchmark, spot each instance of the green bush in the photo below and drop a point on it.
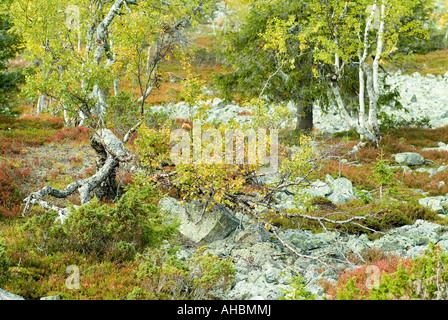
(164, 276)
(425, 280)
(297, 290)
(4, 262)
(108, 233)
(390, 122)
(123, 113)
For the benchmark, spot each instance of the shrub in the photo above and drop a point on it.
(425, 279)
(383, 175)
(422, 278)
(123, 113)
(10, 189)
(70, 134)
(108, 233)
(164, 276)
(4, 262)
(297, 290)
(43, 233)
(390, 121)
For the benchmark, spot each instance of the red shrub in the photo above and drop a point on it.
(70, 134)
(10, 195)
(387, 265)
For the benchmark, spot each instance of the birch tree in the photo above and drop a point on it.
(81, 50)
(358, 32)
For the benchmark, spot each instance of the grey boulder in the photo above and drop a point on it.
(409, 158)
(437, 204)
(5, 295)
(319, 189)
(342, 190)
(197, 225)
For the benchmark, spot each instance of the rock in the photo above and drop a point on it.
(319, 189)
(217, 102)
(409, 158)
(56, 297)
(437, 204)
(416, 251)
(319, 240)
(342, 190)
(272, 275)
(430, 171)
(401, 239)
(5, 295)
(256, 291)
(358, 243)
(444, 115)
(393, 243)
(252, 235)
(295, 238)
(315, 289)
(257, 255)
(200, 227)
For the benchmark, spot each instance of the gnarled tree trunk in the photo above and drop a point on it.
(111, 151)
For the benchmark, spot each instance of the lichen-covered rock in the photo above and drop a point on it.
(197, 225)
(437, 204)
(342, 190)
(5, 295)
(409, 158)
(55, 297)
(404, 238)
(319, 189)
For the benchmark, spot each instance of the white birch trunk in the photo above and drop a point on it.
(362, 59)
(346, 116)
(66, 116)
(49, 103)
(362, 105)
(116, 86)
(373, 121)
(40, 104)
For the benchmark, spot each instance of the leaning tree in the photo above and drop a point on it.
(80, 52)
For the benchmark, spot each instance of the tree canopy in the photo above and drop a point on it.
(10, 45)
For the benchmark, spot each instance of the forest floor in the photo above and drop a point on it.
(36, 151)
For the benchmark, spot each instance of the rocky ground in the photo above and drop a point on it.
(421, 96)
(265, 267)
